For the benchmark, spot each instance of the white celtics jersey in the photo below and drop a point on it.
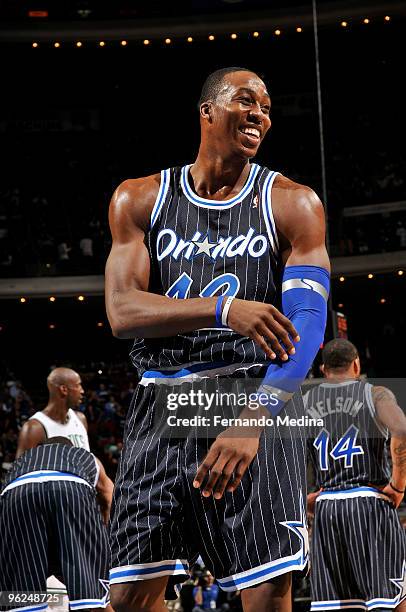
(72, 429)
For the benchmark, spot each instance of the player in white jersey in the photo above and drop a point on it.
(58, 417)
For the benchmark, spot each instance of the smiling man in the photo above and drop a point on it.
(194, 274)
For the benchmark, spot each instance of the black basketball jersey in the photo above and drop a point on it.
(350, 449)
(40, 462)
(204, 248)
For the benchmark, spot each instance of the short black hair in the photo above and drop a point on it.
(58, 440)
(338, 354)
(212, 85)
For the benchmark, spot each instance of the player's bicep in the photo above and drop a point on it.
(128, 267)
(128, 264)
(308, 246)
(302, 224)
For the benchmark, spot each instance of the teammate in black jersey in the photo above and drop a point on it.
(200, 256)
(358, 543)
(50, 522)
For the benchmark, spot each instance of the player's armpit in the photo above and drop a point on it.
(31, 435)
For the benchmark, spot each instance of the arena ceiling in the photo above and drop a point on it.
(20, 18)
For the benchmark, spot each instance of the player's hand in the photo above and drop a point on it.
(226, 462)
(311, 502)
(396, 498)
(264, 324)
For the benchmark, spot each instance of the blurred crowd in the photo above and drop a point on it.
(108, 393)
(372, 234)
(60, 227)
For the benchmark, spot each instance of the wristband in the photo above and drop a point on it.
(226, 308)
(219, 304)
(395, 489)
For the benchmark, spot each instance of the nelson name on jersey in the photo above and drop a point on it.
(168, 243)
(337, 405)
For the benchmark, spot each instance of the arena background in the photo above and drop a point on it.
(87, 102)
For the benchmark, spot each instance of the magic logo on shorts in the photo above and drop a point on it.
(169, 244)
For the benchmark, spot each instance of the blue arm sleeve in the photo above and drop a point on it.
(305, 292)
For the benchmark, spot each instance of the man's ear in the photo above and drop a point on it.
(206, 110)
(63, 390)
(321, 367)
(357, 367)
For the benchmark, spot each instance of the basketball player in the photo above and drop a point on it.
(58, 418)
(358, 543)
(49, 521)
(194, 273)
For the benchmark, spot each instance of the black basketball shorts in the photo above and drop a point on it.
(358, 552)
(160, 523)
(54, 528)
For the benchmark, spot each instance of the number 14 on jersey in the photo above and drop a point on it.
(346, 447)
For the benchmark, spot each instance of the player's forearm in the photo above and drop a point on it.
(142, 314)
(398, 454)
(304, 300)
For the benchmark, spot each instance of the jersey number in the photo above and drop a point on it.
(225, 284)
(345, 448)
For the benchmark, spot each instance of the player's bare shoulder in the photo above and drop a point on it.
(82, 418)
(32, 434)
(292, 198)
(133, 201)
(296, 209)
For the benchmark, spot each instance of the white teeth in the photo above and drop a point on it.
(252, 131)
